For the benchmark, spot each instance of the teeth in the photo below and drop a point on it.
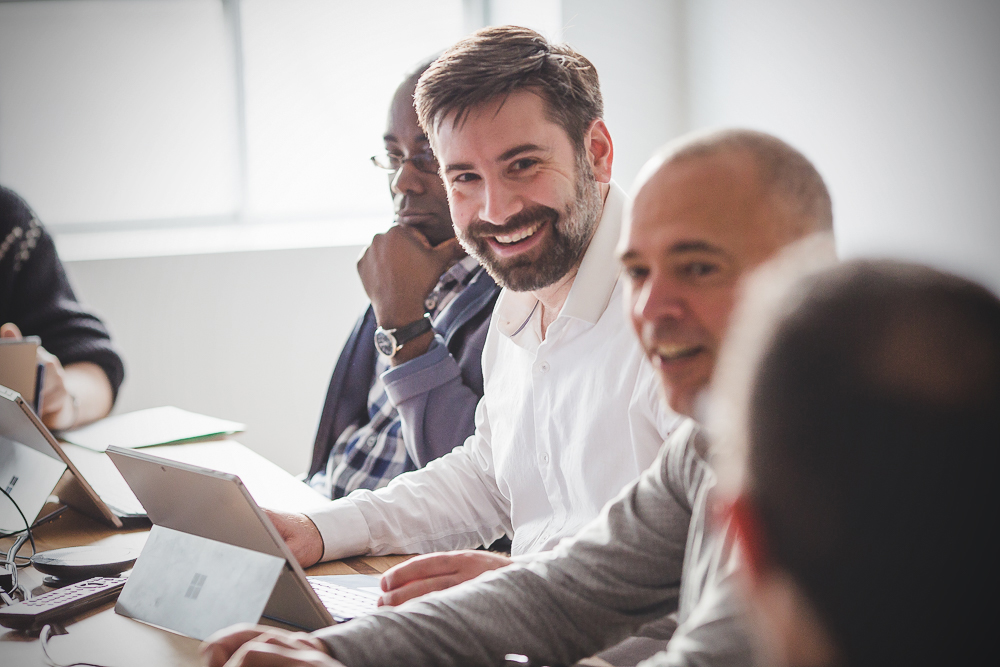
(670, 352)
(517, 236)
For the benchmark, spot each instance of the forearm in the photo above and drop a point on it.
(621, 572)
(476, 623)
(451, 504)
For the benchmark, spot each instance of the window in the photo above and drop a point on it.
(163, 111)
(118, 111)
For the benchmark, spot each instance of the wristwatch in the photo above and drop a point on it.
(391, 341)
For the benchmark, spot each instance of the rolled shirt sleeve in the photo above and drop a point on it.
(453, 503)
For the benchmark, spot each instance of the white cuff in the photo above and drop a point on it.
(343, 529)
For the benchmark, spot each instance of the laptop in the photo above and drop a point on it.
(190, 500)
(32, 463)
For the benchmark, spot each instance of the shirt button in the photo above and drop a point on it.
(544, 367)
(544, 458)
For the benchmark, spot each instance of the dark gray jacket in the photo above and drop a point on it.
(436, 394)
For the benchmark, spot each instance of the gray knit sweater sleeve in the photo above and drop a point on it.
(620, 572)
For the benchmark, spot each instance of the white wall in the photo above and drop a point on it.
(897, 102)
(248, 336)
(637, 47)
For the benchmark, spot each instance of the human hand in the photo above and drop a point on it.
(260, 646)
(399, 269)
(59, 408)
(300, 534)
(436, 572)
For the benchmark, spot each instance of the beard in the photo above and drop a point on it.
(570, 232)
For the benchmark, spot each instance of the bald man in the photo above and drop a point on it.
(707, 210)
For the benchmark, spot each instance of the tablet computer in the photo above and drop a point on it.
(32, 462)
(216, 506)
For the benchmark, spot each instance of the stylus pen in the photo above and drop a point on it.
(51, 516)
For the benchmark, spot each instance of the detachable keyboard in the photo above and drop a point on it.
(344, 603)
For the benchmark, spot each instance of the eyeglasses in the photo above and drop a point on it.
(393, 162)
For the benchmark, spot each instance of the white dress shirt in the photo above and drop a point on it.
(565, 423)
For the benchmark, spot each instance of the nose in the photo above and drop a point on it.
(499, 202)
(657, 299)
(406, 180)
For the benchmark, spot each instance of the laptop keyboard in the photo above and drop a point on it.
(342, 602)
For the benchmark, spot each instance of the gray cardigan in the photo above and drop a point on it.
(648, 554)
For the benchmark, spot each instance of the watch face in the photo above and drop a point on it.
(385, 343)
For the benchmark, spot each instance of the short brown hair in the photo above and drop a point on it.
(497, 61)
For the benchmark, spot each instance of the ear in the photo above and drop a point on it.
(750, 534)
(600, 150)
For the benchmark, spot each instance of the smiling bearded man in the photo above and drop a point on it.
(571, 232)
(571, 411)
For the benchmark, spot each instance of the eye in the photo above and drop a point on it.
(523, 164)
(466, 177)
(699, 269)
(636, 273)
(425, 162)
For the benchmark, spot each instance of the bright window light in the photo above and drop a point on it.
(319, 76)
(118, 111)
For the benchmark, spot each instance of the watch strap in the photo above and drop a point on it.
(390, 341)
(408, 332)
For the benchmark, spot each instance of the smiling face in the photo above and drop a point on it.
(418, 197)
(696, 227)
(523, 202)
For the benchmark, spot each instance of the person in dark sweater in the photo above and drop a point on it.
(82, 368)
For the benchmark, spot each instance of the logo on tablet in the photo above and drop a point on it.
(10, 487)
(194, 589)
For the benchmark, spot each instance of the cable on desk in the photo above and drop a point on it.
(11, 559)
(51, 516)
(44, 637)
(27, 526)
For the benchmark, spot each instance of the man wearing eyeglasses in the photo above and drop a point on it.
(405, 388)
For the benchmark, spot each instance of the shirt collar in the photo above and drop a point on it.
(594, 283)
(598, 274)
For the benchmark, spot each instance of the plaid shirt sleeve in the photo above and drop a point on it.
(371, 455)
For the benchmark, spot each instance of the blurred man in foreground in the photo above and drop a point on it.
(707, 210)
(862, 438)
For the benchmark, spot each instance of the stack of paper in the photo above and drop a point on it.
(145, 428)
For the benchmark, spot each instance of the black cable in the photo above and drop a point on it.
(27, 525)
(51, 516)
(44, 637)
(12, 556)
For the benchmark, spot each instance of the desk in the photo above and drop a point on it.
(103, 637)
